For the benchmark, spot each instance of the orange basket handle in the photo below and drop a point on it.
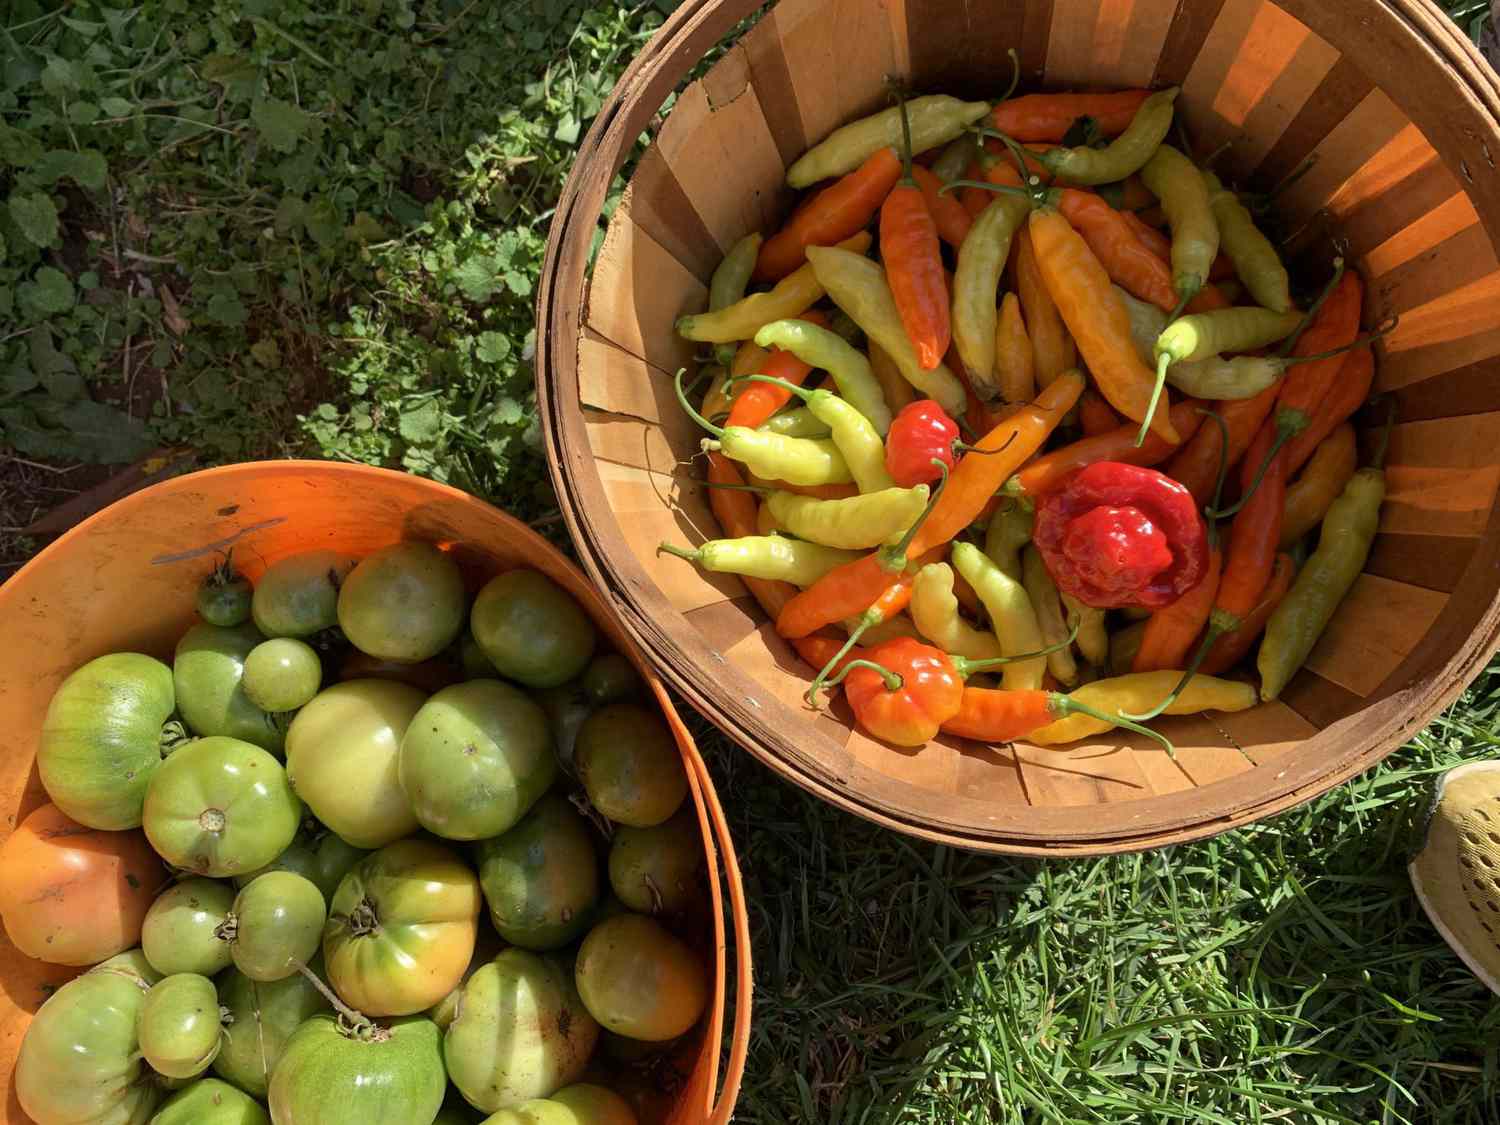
(723, 1110)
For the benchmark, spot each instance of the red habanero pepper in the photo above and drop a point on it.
(753, 403)
(914, 263)
(835, 213)
(1121, 535)
(903, 691)
(921, 434)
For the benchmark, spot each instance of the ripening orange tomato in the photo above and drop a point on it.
(73, 895)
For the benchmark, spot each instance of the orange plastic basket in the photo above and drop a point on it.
(125, 579)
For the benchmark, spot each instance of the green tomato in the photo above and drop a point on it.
(567, 706)
(224, 596)
(610, 678)
(521, 1032)
(282, 674)
(630, 765)
(208, 672)
(330, 1075)
(277, 925)
(321, 857)
(541, 879)
(472, 660)
(299, 595)
(80, 1061)
(342, 751)
(658, 870)
(475, 758)
(103, 738)
(401, 928)
(639, 980)
(262, 1018)
(531, 629)
(220, 807)
(582, 1104)
(179, 1025)
(404, 603)
(209, 1101)
(179, 934)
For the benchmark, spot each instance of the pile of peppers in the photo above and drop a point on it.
(1070, 454)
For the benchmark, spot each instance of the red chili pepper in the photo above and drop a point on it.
(921, 433)
(1096, 416)
(903, 692)
(914, 264)
(1350, 389)
(1171, 631)
(1229, 648)
(1121, 535)
(953, 221)
(1196, 465)
(831, 216)
(1048, 117)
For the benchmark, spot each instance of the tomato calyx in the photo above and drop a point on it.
(229, 929)
(212, 820)
(364, 919)
(174, 736)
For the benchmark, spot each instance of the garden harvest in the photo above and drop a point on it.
(1080, 457)
(363, 852)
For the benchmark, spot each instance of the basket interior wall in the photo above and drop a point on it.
(1397, 172)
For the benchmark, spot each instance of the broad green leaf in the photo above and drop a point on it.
(492, 347)
(87, 169)
(476, 278)
(49, 291)
(36, 216)
(18, 380)
(323, 222)
(236, 73)
(102, 433)
(422, 423)
(117, 107)
(266, 353)
(18, 148)
(226, 308)
(61, 77)
(280, 123)
(28, 437)
(57, 371)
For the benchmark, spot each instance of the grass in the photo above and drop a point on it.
(313, 227)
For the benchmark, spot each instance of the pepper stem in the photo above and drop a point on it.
(1385, 327)
(894, 557)
(1162, 361)
(820, 681)
(1008, 189)
(738, 487)
(1312, 310)
(967, 668)
(1066, 705)
(1383, 442)
(1214, 631)
(717, 431)
(680, 552)
(1015, 74)
(906, 172)
(893, 681)
(1017, 153)
(1289, 423)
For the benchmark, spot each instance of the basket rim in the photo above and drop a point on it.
(726, 1066)
(1113, 827)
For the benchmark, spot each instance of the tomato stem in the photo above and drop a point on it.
(355, 1022)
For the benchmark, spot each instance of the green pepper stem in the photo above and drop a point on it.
(1161, 381)
(1289, 423)
(893, 681)
(1210, 635)
(738, 487)
(867, 620)
(1213, 521)
(1028, 178)
(1384, 328)
(1007, 189)
(906, 173)
(893, 558)
(1015, 74)
(717, 431)
(1208, 161)
(681, 552)
(967, 668)
(1312, 310)
(1065, 705)
(1383, 442)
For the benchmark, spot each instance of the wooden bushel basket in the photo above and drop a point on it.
(125, 580)
(1403, 120)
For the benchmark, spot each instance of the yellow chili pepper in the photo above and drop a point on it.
(1124, 643)
(1015, 361)
(773, 558)
(859, 287)
(1012, 616)
(818, 347)
(1176, 181)
(1254, 257)
(796, 423)
(1093, 638)
(898, 392)
(1125, 154)
(1206, 334)
(793, 295)
(1009, 531)
(1050, 616)
(852, 523)
(981, 258)
(1220, 379)
(1323, 479)
(852, 432)
(1146, 324)
(935, 611)
(1053, 348)
(729, 283)
(935, 120)
(1138, 691)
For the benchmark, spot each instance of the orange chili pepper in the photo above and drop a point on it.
(973, 199)
(1096, 319)
(1096, 416)
(1050, 343)
(755, 402)
(1255, 534)
(1048, 117)
(1118, 444)
(1129, 263)
(1196, 465)
(1171, 631)
(1335, 325)
(903, 691)
(948, 213)
(1308, 498)
(1151, 238)
(898, 392)
(835, 213)
(1350, 389)
(914, 264)
(1015, 360)
(1230, 648)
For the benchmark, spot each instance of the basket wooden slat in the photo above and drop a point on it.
(1399, 118)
